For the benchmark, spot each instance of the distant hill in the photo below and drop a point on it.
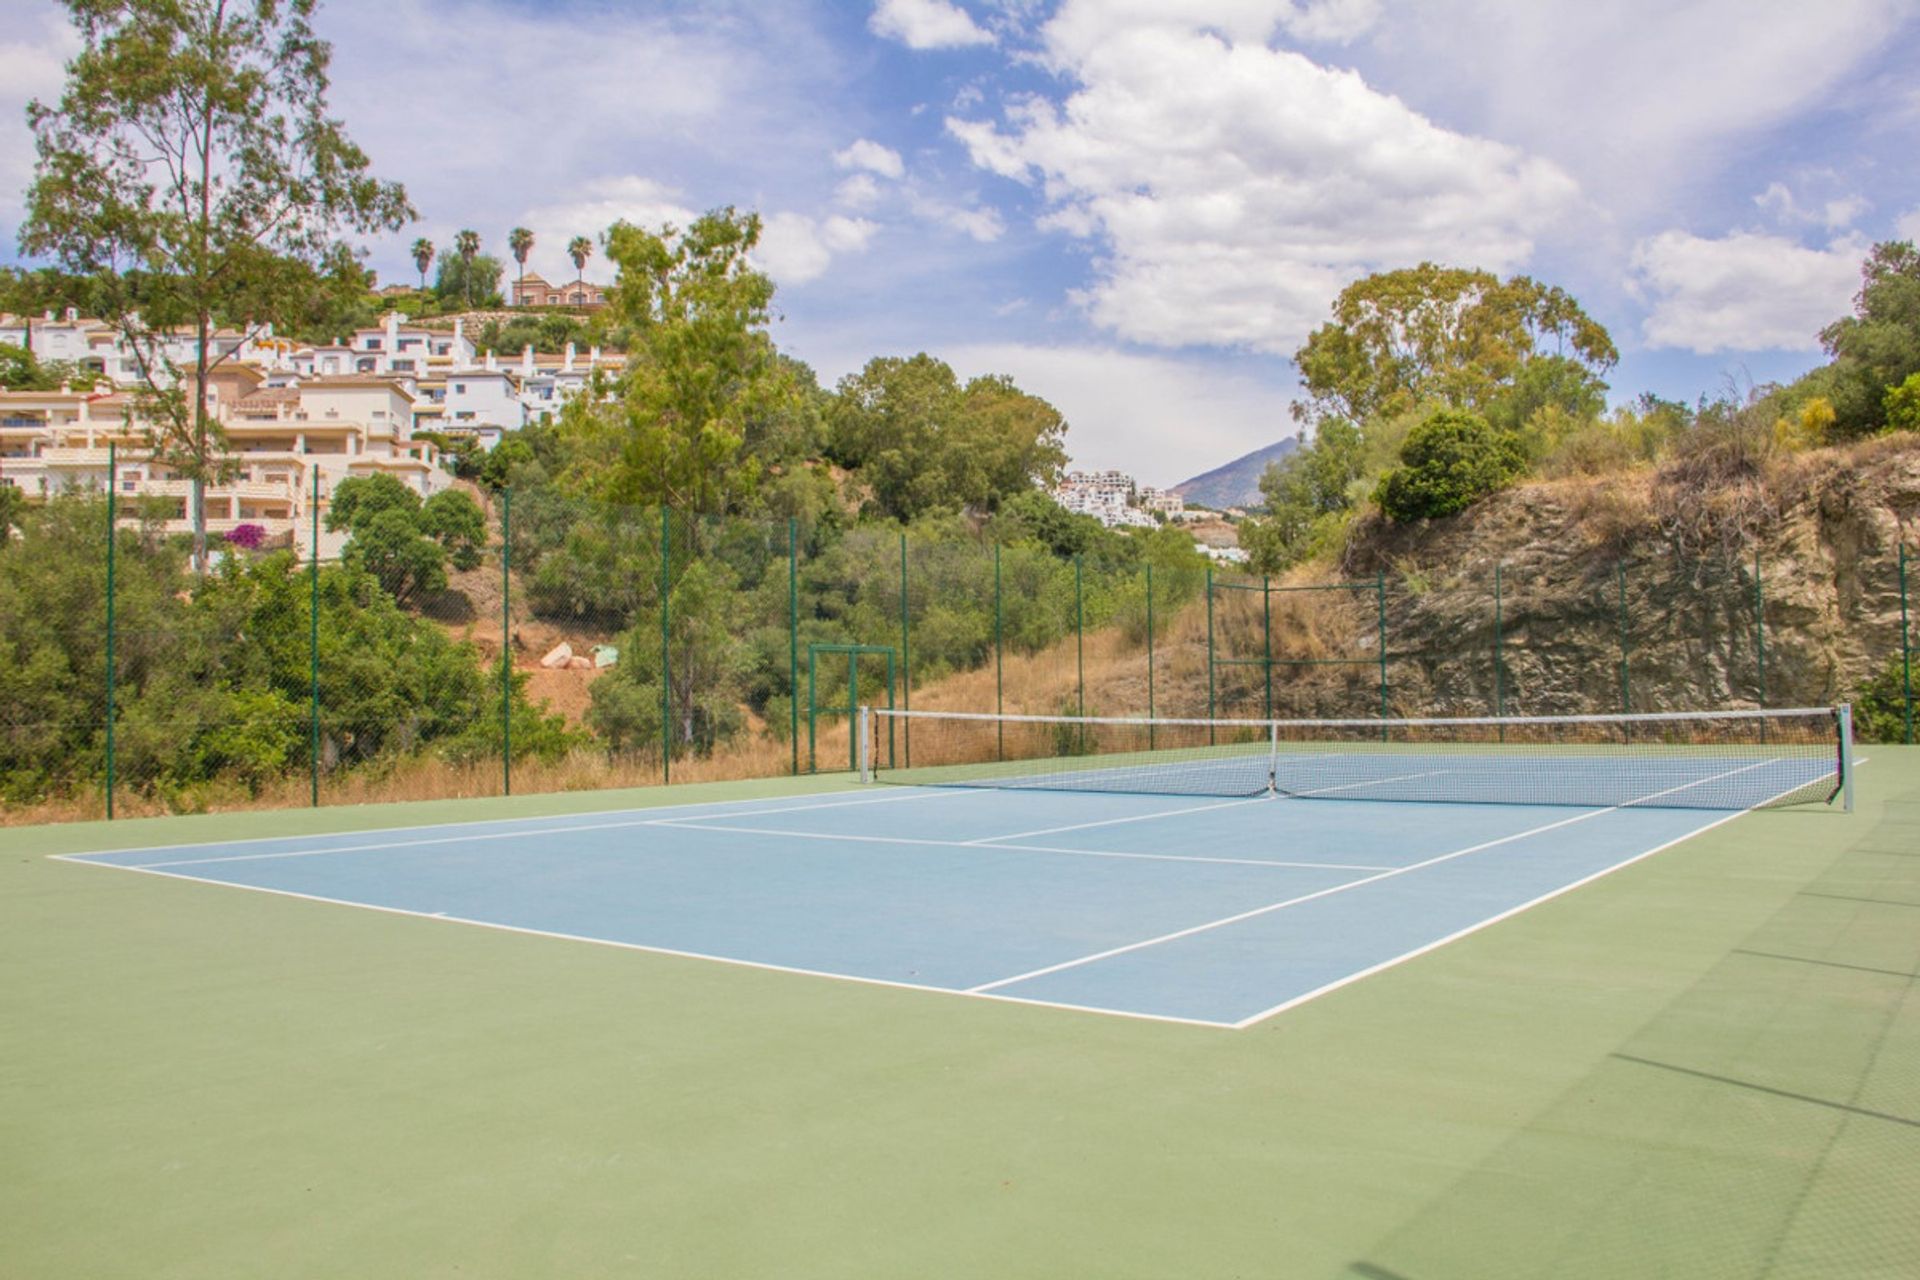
(1238, 483)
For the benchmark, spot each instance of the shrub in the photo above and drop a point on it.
(1880, 705)
(1449, 462)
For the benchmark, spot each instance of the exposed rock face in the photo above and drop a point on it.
(1782, 588)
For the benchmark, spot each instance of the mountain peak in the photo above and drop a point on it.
(1237, 484)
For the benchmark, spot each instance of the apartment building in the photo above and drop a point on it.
(94, 346)
(284, 441)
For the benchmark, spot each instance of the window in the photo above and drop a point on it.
(459, 388)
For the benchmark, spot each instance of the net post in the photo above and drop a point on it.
(1273, 757)
(1846, 755)
(866, 744)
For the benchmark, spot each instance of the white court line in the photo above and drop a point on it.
(514, 834)
(735, 961)
(695, 824)
(1351, 884)
(443, 826)
(1458, 934)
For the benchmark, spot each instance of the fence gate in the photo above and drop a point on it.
(842, 704)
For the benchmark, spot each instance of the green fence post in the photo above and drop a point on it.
(1499, 668)
(313, 644)
(793, 636)
(1266, 629)
(813, 714)
(1380, 600)
(906, 658)
(999, 658)
(113, 536)
(1079, 645)
(1620, 576)
(506, 641)
(1210, 706)
(666, 606)
(1906, 654)
(1760, 631)
(1150, 725)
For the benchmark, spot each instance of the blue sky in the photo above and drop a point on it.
(1139, 208)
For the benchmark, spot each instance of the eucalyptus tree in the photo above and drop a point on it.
(191, 175)
(422, 259)
(520, 244)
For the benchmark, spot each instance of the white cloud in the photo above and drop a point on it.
(32, 65)
(858, 192)
(1908, 227)
(599, 205)
(1237, 187)
(926, 24)
(1632, 95)
(1834, 214)
(1742, 292)
(974, 221)
(871, 157)
(795, 248)
(1162, 418)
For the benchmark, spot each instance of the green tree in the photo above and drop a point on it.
(191, 174)
(1902, 405)
(1878, 346)
(467, 245)
(422, 259)
(520, 244)
(1430, 333)
(455, 521)
(702, 370)
(402, 542)
(20, 371)
(1309, 496)
(1448, 463)
(920, 440)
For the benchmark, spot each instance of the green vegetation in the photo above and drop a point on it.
(240, 224)
(1410, 356)
(1448, 463)
(214, 671)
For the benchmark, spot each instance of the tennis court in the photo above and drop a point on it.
(1118, 883)
(1698, 1064)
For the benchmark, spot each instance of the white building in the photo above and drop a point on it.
(283, 439)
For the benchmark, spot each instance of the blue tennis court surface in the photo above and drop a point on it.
(1213, 911)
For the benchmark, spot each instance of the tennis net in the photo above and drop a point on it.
(1732, 760)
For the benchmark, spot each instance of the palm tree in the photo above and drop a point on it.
(520, 241)
(467, 245)
(423, 258)
(579, 249)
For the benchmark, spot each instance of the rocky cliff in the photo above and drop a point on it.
(1774, 581)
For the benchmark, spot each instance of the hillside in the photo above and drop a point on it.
(1237, 484)
(1643, 591)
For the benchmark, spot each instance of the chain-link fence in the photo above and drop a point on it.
(588, 645)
